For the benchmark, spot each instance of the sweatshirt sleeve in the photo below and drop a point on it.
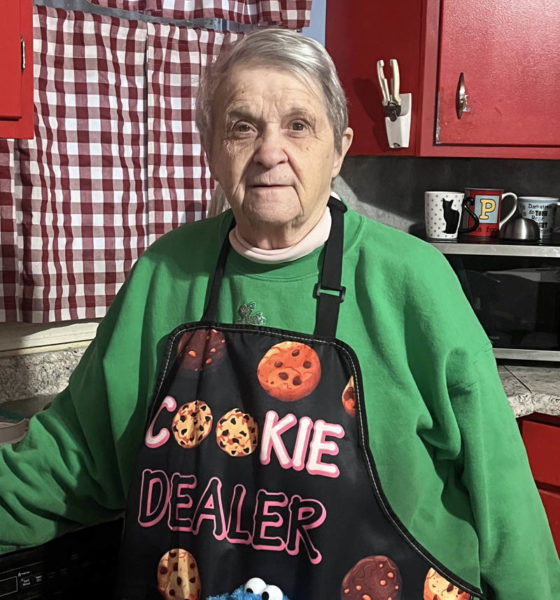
(517, 554)
(474, 436)
(74, 465)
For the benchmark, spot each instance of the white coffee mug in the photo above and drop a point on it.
(541, 209)
(443, 212)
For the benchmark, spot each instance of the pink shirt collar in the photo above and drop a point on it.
(315, 238)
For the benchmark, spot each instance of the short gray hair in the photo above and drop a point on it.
(287, 50)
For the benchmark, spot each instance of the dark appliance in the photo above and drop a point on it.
(514, 290)
(81, 564)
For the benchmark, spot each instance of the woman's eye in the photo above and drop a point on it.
(299, 126)
(271, 592)
(255, 585)
(242, 128)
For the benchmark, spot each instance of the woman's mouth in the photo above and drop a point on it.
(268, 185)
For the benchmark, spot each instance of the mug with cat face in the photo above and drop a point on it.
(443, 212)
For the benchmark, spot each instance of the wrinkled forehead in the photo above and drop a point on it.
(293, 89)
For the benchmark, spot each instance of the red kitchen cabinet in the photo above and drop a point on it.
(542, 441)
(541, 435)
(16, 69)
(506, 50)
(551, 502)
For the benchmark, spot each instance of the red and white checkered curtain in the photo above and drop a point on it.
(115, 161)
(293, 14)
(10, 224)
(178, 177)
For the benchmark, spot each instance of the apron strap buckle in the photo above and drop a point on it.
(340, 291)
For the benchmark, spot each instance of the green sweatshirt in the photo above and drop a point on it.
(446, 444)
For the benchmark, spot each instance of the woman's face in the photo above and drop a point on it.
(272, 150)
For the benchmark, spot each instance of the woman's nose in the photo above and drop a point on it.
(270, 149)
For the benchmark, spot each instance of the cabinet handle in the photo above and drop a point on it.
(22, 53)
(461, 99)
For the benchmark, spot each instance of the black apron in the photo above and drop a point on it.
(256, 464)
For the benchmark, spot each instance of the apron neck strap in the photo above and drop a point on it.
(211, 308)
(328, 290)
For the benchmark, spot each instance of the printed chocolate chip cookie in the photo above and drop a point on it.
(201, 349)
(177, 576)
(237, 433)
(192, 423)
(289, 371)
(372, 578)
(437, 587)
(349, 398)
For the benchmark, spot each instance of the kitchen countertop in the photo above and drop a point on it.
(532, 388)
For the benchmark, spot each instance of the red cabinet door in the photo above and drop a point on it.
(360, 33)
(508, 50)
(10, 61)
(541, 436)
(542, 442)
(509, 53)
(551, 503)
(16, 69)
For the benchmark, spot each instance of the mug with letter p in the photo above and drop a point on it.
(487, 205)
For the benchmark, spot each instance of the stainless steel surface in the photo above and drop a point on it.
(498, 249)
(521, 229)
(525, 354)
(461, 99)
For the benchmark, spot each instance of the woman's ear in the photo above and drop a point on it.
(347, 138)
(206, 150)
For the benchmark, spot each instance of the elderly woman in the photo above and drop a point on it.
(324, 420)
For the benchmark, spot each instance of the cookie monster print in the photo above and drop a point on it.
(254, 589)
